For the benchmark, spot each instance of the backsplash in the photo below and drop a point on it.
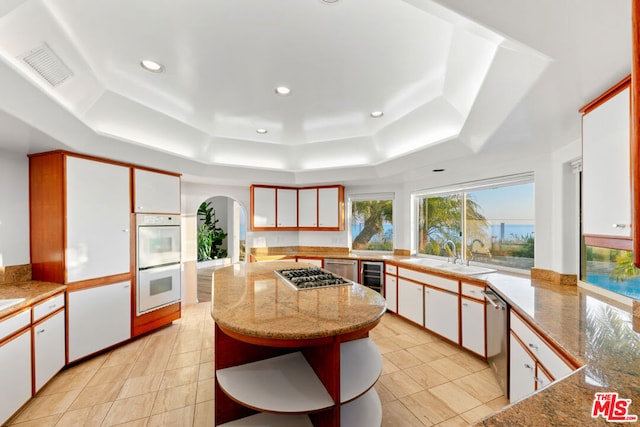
(15, 273)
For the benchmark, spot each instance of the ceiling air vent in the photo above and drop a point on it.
(46, 63)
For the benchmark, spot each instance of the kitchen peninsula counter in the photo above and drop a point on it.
(33, 291)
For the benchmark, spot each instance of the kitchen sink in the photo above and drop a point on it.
(6, 303)
(470, 270)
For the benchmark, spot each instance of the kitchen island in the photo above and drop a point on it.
(293, 357)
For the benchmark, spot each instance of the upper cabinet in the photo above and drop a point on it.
(286, 208)
(606, 176)
(156, 192)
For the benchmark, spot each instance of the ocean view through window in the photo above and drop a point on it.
(485, 222)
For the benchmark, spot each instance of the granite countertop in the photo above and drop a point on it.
(33, 291)
(249, 299)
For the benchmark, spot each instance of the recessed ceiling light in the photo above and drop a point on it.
(152, 66)
(376, 114)
(261, 131)
(283, 90)
(438, 170)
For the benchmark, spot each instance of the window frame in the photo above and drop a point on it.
(464, 188)
(370, 196)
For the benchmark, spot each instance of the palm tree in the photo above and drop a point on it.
(372, 214)
(624, 269)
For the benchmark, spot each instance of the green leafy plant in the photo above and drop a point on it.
(210, 236)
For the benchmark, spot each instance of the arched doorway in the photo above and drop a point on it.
(228, 218)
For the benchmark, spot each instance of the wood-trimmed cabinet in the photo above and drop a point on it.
(391, 286)
(15, 363)
(155, 192)
(288, 208)
(606, 169)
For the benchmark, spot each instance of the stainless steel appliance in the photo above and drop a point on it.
(157, 261)
(372, 275)
(347, 268)
(310, 278)
(497, 314)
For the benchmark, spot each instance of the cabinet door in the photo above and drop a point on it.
(473, 326)
(48, 341)
(329, 207)
(308, 207)
(156, 192)
(521, 371)
(98, 318)
(441, 313)
(606, 193)
(287, 207)
(98, 211)
(15, 371)
(264, 207)
(390, 292)
(410, 301)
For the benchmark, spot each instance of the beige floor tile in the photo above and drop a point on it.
(400, 384)
(67, 380)
(426, 376)
(120, 358)
(482, 385)
(387, 366)
(181, 360)
(174, 398)
(130, 409)
(206, 371)
(150, 365)
(111, 374)
(383, 393)
(49, 421)
(387, 345)
(455, 397)
(91, 416)
(445, 348)
(395, 414)
(204, 415)
(91, 396)
(426, 353)
(188, 341)
(92, 364)
(454, 422)
(141, 422)
(206, 355)
(477, 413)
(499, 403)
(406, 341)
(45, 406)
(469, 361)
(205, 390)
(178, 377)
(428, 408)
(449, 369)
(177, 417)
(140, 385)
(403, 359)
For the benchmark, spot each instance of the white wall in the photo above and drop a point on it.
(14, 209)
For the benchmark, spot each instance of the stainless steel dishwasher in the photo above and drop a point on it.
(347, 268)
(497, 314)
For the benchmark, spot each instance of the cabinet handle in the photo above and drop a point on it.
(41, 331)
(538, 380)
(619, 225)
(125, 230)
(126, 286)
(464, 304)
(526, 365)
(52, 306)
(533, 346)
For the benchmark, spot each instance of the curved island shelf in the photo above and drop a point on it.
(285, 357)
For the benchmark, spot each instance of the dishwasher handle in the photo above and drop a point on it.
(345, 262)
(494, 300)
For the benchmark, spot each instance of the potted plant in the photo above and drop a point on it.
(210, 236)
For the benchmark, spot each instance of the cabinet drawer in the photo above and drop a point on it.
(472, 291)
(390, 269)
(553, 363)
(429, 279)
(47, 307)
(14, 323)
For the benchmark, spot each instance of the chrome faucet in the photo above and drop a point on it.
(454, 252)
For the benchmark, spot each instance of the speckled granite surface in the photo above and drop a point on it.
(251, 300)
(32, 290)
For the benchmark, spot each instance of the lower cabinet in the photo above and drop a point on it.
(49, 349)
(410, 301)
(391, 292)
(15, 372)
(522, 375)
(99, 317)
(441, 313)
(473, 326)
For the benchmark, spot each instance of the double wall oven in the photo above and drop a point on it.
(158, 261)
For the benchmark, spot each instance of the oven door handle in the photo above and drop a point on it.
(161, 268)
(491, 297)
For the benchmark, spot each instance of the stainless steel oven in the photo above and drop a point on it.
(157, 261)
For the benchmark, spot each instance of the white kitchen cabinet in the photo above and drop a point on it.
(473, 325)
(330, 214)
(263, 207)
(606, 183)
(98, 207)
(441, 313)
(410, 301)
(308, 207)
(521, 371)
(48, 348)
(99, 317)
(287, 207)
(391, 292)
(15, 364)
(156, 192)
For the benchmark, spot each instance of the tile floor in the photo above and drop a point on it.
(166, 379)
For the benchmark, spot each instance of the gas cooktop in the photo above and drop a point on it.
(311, 278)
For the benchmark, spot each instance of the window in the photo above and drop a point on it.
(491, 222)
(371, 222)
(612, 269)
